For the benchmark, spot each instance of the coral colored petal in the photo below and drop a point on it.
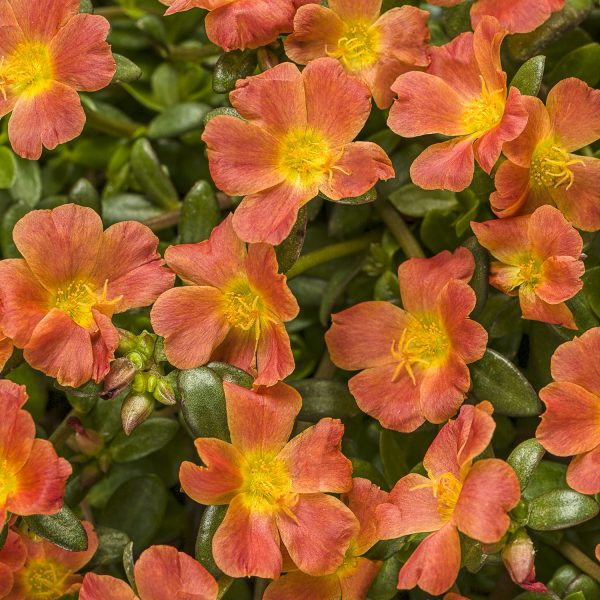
(219, 481)
(422, 279)
(163, 572)
(274, 100)
(14, 552)
(360, 167)
(300, 586)
(105, 587)
(270, 215)
(42, 19)
(104, 343)
(17, 428)
(82, 58)
(405, 35)
(574, 110)
(47, 119)
(214, 262)
(434, 565)
(238, 349)
(506, 239)
(411, 508)
(62, 349)
(249, 23)
(513, 195)
(274, 357)
(363, 10)
(538, 128)
(535, 309)
(551, 235)
(60, 245)
(561, 279)
(40, 483)
(362, 336)
(487, 40)
(357, 583)
(337, 103)
(390, 397)
(469, 340)
(445, 166)
(243, 157)
(570, 424)
(247, 543)
(191, 321)
(518, 16)
(315, 461)
(490, 490)
(514, 119)
(381, 76)
(583, 474)
(316, 30)
(571, 361)
(425, 104)
(261, 419)
(363, 500)
(581, 202)
(73, 561)
(319, 533)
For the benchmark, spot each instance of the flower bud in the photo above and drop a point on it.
(518, 556)
(87, 441)
(135, 410)
(164, 392)
(119, 377)
(267, 59)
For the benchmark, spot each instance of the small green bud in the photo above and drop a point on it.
(164, 392)
(135, 410)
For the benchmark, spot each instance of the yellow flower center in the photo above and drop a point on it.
(358, 47)
(550, 166)
(423, 342)
(446, 488)
(267, 484)
(530, 272)
(44, 580)
(28, 70)
(8, 482)
(243, 307)
(348, 567)
(484, 112)
(304, 157)
(76, 299)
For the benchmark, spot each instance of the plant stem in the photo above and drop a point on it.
(579, 559)
(224, 584)
(260, 585)
(63, 431)
(193, 53)
(399, 229)
(164, 221)
(329, 253)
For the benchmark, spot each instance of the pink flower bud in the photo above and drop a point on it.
(518, 556)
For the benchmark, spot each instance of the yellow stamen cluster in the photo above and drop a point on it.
(77, 298)
(530, 273)
(423, 342)
(484, 112)
(348, 567)
(7, 481)
(27, 71)
(244, 308)
(550, 167)
(267, 484)
(44, 580)
(446, 488)
(358, 47)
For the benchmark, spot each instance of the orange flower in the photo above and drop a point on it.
(160, 573)
(49, 52)
(33, 477)
(414, 359)
(240, 24)
(571, 423)
(274, 488)
(463, 95)
(353, 578)
(539, 259)
(59, 299)
(541, 168)
(293, 142)
(234, 310)
(12, 558)
(376, 48)
(47, 570)
(457, 495)
(517, 16)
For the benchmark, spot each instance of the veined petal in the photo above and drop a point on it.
(570, 361)
(356, 584)
(300, 586)
(561, 279)
(583, 474)
(239, 348)
(274, 357)
(105, 587)
(518, 16)
(551, 235)
(506, 239)
(17, 429)
(487, 39)
(514, 195)
(348, 10)
(534, 308)
(42, 20)
(405, 35)
(363, 500)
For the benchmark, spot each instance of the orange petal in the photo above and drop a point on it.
(219, 481)
(411, 508)
(247, 543)
(300, 586)
(191, 321)
(363, 500)
(105, 587)
(239, 349)
(551, 235)
(356, 584)
(163, 572)
(570, 424)
(487, 40)
(315, 461)
(263, 418)
(434, 565)
(518, 16)
(364, 10)
(570, 361)
(405, 35)
(583, 474)
(104, 344)
(42, 20)
(490, 490)
(337, 103)
(319, 533)
(534, 308)
(17, 428)
(506, 239)
(274, 358)
(561, 279)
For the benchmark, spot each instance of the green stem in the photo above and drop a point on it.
(579, 559)
(193, 53)
(329, 253)
(399, 229)
(225, 583)
(260, 585)
(164, 221)
(63, 431)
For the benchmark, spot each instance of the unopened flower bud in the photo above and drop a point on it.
(127, 341)
(518, 556)
(87, 441)
(119, 377)
(135, 410)
(164, 392)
